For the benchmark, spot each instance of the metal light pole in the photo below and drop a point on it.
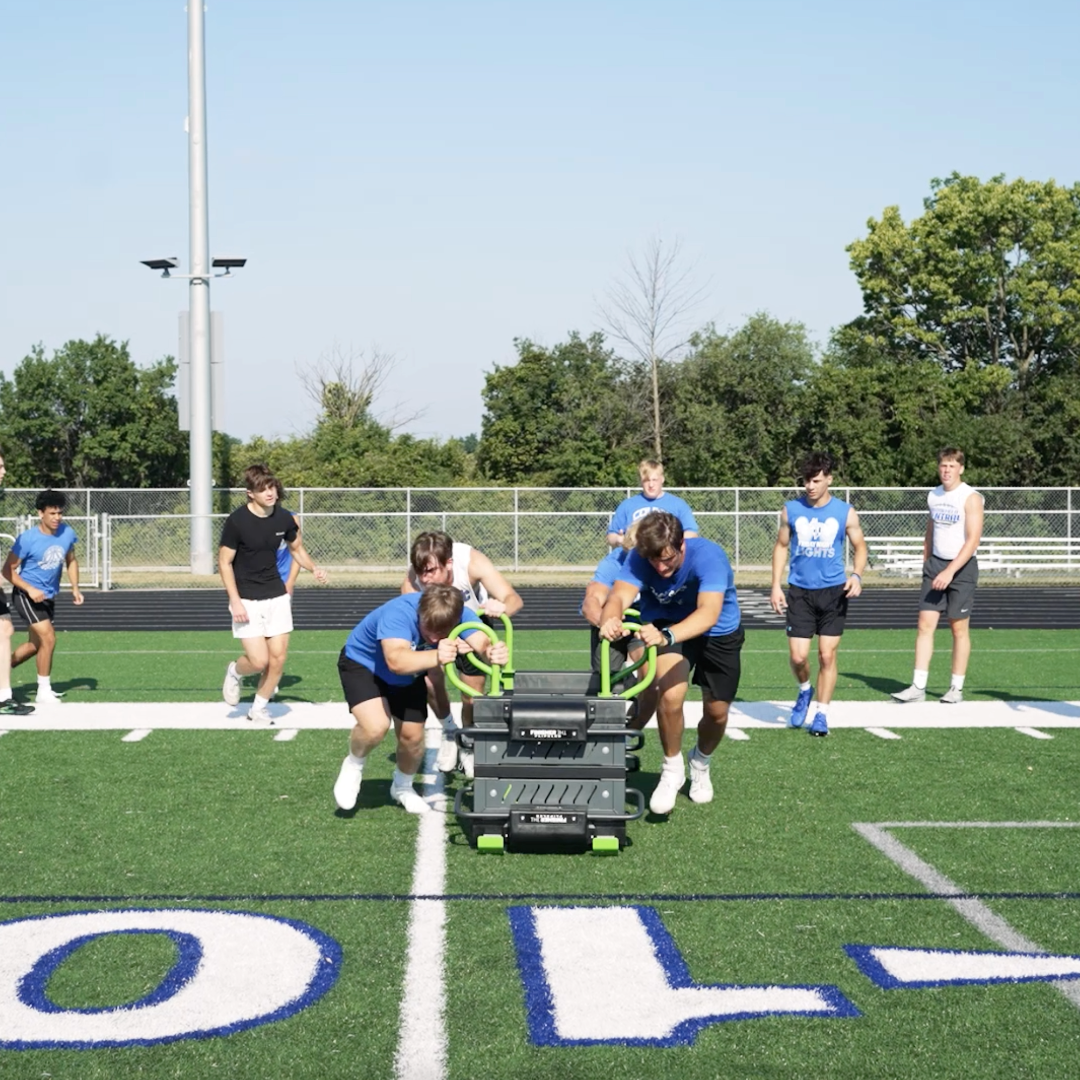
(198, 406)
(201, 435)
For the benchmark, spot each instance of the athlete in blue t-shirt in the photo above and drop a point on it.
(382, 669)
(652, 497)
(33, 566)
(813, 527)
(690, 612)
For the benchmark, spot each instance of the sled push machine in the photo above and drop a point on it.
(552, 753)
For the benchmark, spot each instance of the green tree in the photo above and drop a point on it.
(89, 417)
(557, 417)
(737, 403)
(989, 274)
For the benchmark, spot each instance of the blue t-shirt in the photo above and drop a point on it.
(607, 571)
(637, 506)
(705, 568)
(43, 556)
(284, 555)
(398, 619)
(817, 543)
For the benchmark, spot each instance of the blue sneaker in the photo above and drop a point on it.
(800, 708)
(818, 726)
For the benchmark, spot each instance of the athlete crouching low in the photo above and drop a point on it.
(382, 669)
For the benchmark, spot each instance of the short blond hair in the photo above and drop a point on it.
(648, 465)
(630, 536)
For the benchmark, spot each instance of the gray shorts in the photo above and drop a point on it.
(958, 600)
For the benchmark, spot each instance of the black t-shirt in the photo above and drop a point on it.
(255, 540)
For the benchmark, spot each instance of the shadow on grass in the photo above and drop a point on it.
(873, 682)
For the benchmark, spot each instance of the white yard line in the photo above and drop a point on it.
(422, 1043)
(137, 735)
(882, 733)
(1034, 733)
(747, 715)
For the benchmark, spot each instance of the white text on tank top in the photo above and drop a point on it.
(949, 517)
(474, 597)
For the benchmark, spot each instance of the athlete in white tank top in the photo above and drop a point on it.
(952, 537)
(949, 516)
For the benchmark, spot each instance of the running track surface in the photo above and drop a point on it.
(546, 608)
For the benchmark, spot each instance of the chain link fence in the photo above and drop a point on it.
(142, 538)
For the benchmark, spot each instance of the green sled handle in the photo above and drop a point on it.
(649, 658)
(508, 633)
(493, 671)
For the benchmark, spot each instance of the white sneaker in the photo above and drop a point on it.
(912, 693)
(48, 697)
(448, 750)
(700, 781)
(409, 798)
(347, 787)
(468, 763)
(260, 715)
(230, 688)
(952, 696)
(663, 798)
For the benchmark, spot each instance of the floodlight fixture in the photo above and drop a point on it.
(228, 263)
(164, 265)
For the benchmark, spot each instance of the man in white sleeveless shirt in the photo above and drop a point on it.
(950, 574)
(435, 559)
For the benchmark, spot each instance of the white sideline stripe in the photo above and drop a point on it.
(422, 1046)
(748, 715)
(972, 911)
(737, 734)
(1034, 733)
(137, 735)
(882, 733)
(286, 734)
(4, 732)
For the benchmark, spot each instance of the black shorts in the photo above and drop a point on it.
(466, 667)
(715, 661)
(407, 703)
(31, 612)
(957, 600)
(617, 653)
(5, 612)
(816, 611)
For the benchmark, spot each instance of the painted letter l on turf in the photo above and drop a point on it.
(577, 964)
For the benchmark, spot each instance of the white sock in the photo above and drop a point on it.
(819, 708)
(449, 723)
(44, 682)
(803, 686)
(5, 693)
(920, 679)
(957, 682)
(260, 702)
(357, 761)
(402, 780)
(674, 764)
(700, 759)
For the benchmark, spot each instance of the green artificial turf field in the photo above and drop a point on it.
(944, 844)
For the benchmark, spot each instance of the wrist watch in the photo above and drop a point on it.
(669, 637)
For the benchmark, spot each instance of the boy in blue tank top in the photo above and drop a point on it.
(689, 611)
(813, 528)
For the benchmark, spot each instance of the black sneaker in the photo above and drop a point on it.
(11, 707)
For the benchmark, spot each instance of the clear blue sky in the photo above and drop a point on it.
(438, 178)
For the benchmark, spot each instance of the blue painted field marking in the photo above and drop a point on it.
(894, 968)
(613, 975)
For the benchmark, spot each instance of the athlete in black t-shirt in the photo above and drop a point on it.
(260, 606)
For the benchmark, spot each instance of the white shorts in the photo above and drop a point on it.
(266, 618)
